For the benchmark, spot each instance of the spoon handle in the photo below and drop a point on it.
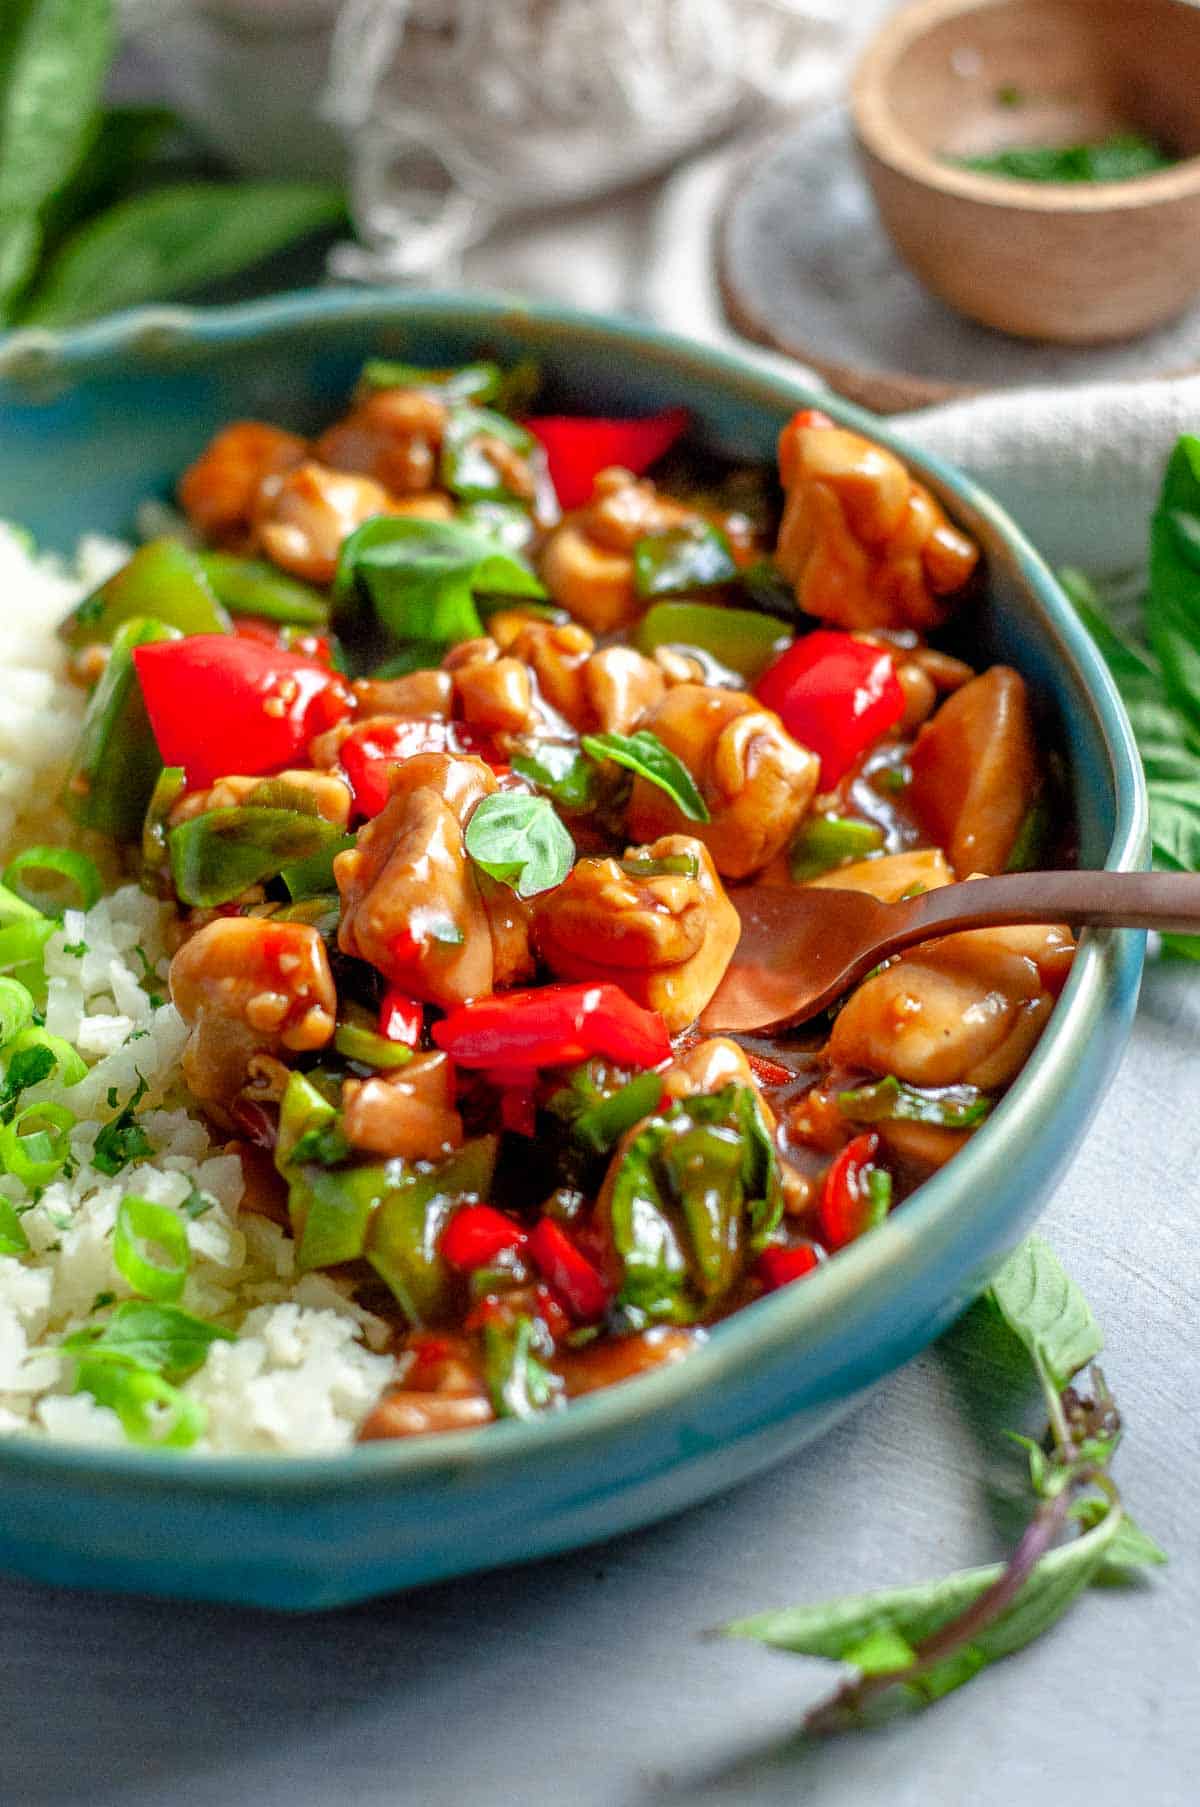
(1099, 900)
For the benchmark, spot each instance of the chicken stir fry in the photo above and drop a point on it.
(456, 744)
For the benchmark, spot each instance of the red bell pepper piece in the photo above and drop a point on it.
(369, 754)
(777, 1266)
(476, 1234)
(852, 1199)
(569, 1272)
(834, 694)
(401, 1019)
(553, 1026)
(220, 703)
(579, 446)
(299, 640)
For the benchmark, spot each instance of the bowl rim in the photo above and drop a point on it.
(900, 1249)
(883, 138)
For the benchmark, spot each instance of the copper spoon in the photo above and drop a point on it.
(802, 947)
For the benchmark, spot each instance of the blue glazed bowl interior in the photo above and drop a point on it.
(96, 421)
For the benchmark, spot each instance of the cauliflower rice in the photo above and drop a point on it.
(306, 1368)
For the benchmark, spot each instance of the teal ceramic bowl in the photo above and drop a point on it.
(92, 422)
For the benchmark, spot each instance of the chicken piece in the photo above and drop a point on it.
(411, 902)
(329, 796)
(407, 1114)
(493, 690)
(510, 920)
(756, 780)
(620, 688)
(891, 876)
(666, 941)
(587, 562)
(410, 1414)
(863, 544)
(418, 696)
(967, 1009)
(557, 655)
(249, 986)
(303, 515)
(976, 772)
(614, 1359)
(709, 1065)
(392, 435)
(219, 492)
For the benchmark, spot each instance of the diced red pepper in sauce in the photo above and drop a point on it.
(554, 1026)
(778, 1266)
(401, 1019)
(301, 641)
(476, 1234)
(222, 703)
(369, 755)
(834, 694)
(569, 1271)
(578, 447)
(847, 1206)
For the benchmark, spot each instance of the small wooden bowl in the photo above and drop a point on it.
(1076, 263)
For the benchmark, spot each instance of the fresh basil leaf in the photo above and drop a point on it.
(470, 465)
(600, 1113)
(162, 1337)
(697, 1189)
(564, 773)
(20, 243)
(645, 755)
(890, 1099)
(218, 855)
(126, 141)
(1043, 1306)
(520, 841)
(882, 1632)
(468, 383)
(520, 1384)
(695, 557)
(173, 240)
(421, 578)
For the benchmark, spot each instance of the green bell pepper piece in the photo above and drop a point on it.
(163, 581)
(331, 1210)
(683, 559)
(368, 1048)
(251, 586)
(826, 842)
(467, 470)
(402, 1243)
(116, 763)
(217, 856)
(740, 639)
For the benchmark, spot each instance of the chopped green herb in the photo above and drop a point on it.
(645, 755)
(75, 949)
(826, 842)
(197, 1203)
(1118, 158)
(123, 1139)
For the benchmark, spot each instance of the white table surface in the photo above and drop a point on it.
(586, 1681)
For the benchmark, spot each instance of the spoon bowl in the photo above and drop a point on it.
(801, 947)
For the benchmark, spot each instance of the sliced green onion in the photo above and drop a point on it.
(141, 1225)
(15, 909)
(23, 952)
(368, 1048)
(37, 1155)
(673, 865)
(826, 842)
(13, 1240)
(61, 862)
(151, 1410)
(16, 1009)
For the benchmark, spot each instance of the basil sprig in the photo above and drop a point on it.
(421, 578)
(520, 841)
(912, 1645)
(645, 755)
(133, 1363)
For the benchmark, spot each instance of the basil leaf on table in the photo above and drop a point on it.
(173, 240)
(1173, 604)
(520, 841)
(421, 578)
(125, 143)
(1167, 741)
(1042, 1305)
(645, 755)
